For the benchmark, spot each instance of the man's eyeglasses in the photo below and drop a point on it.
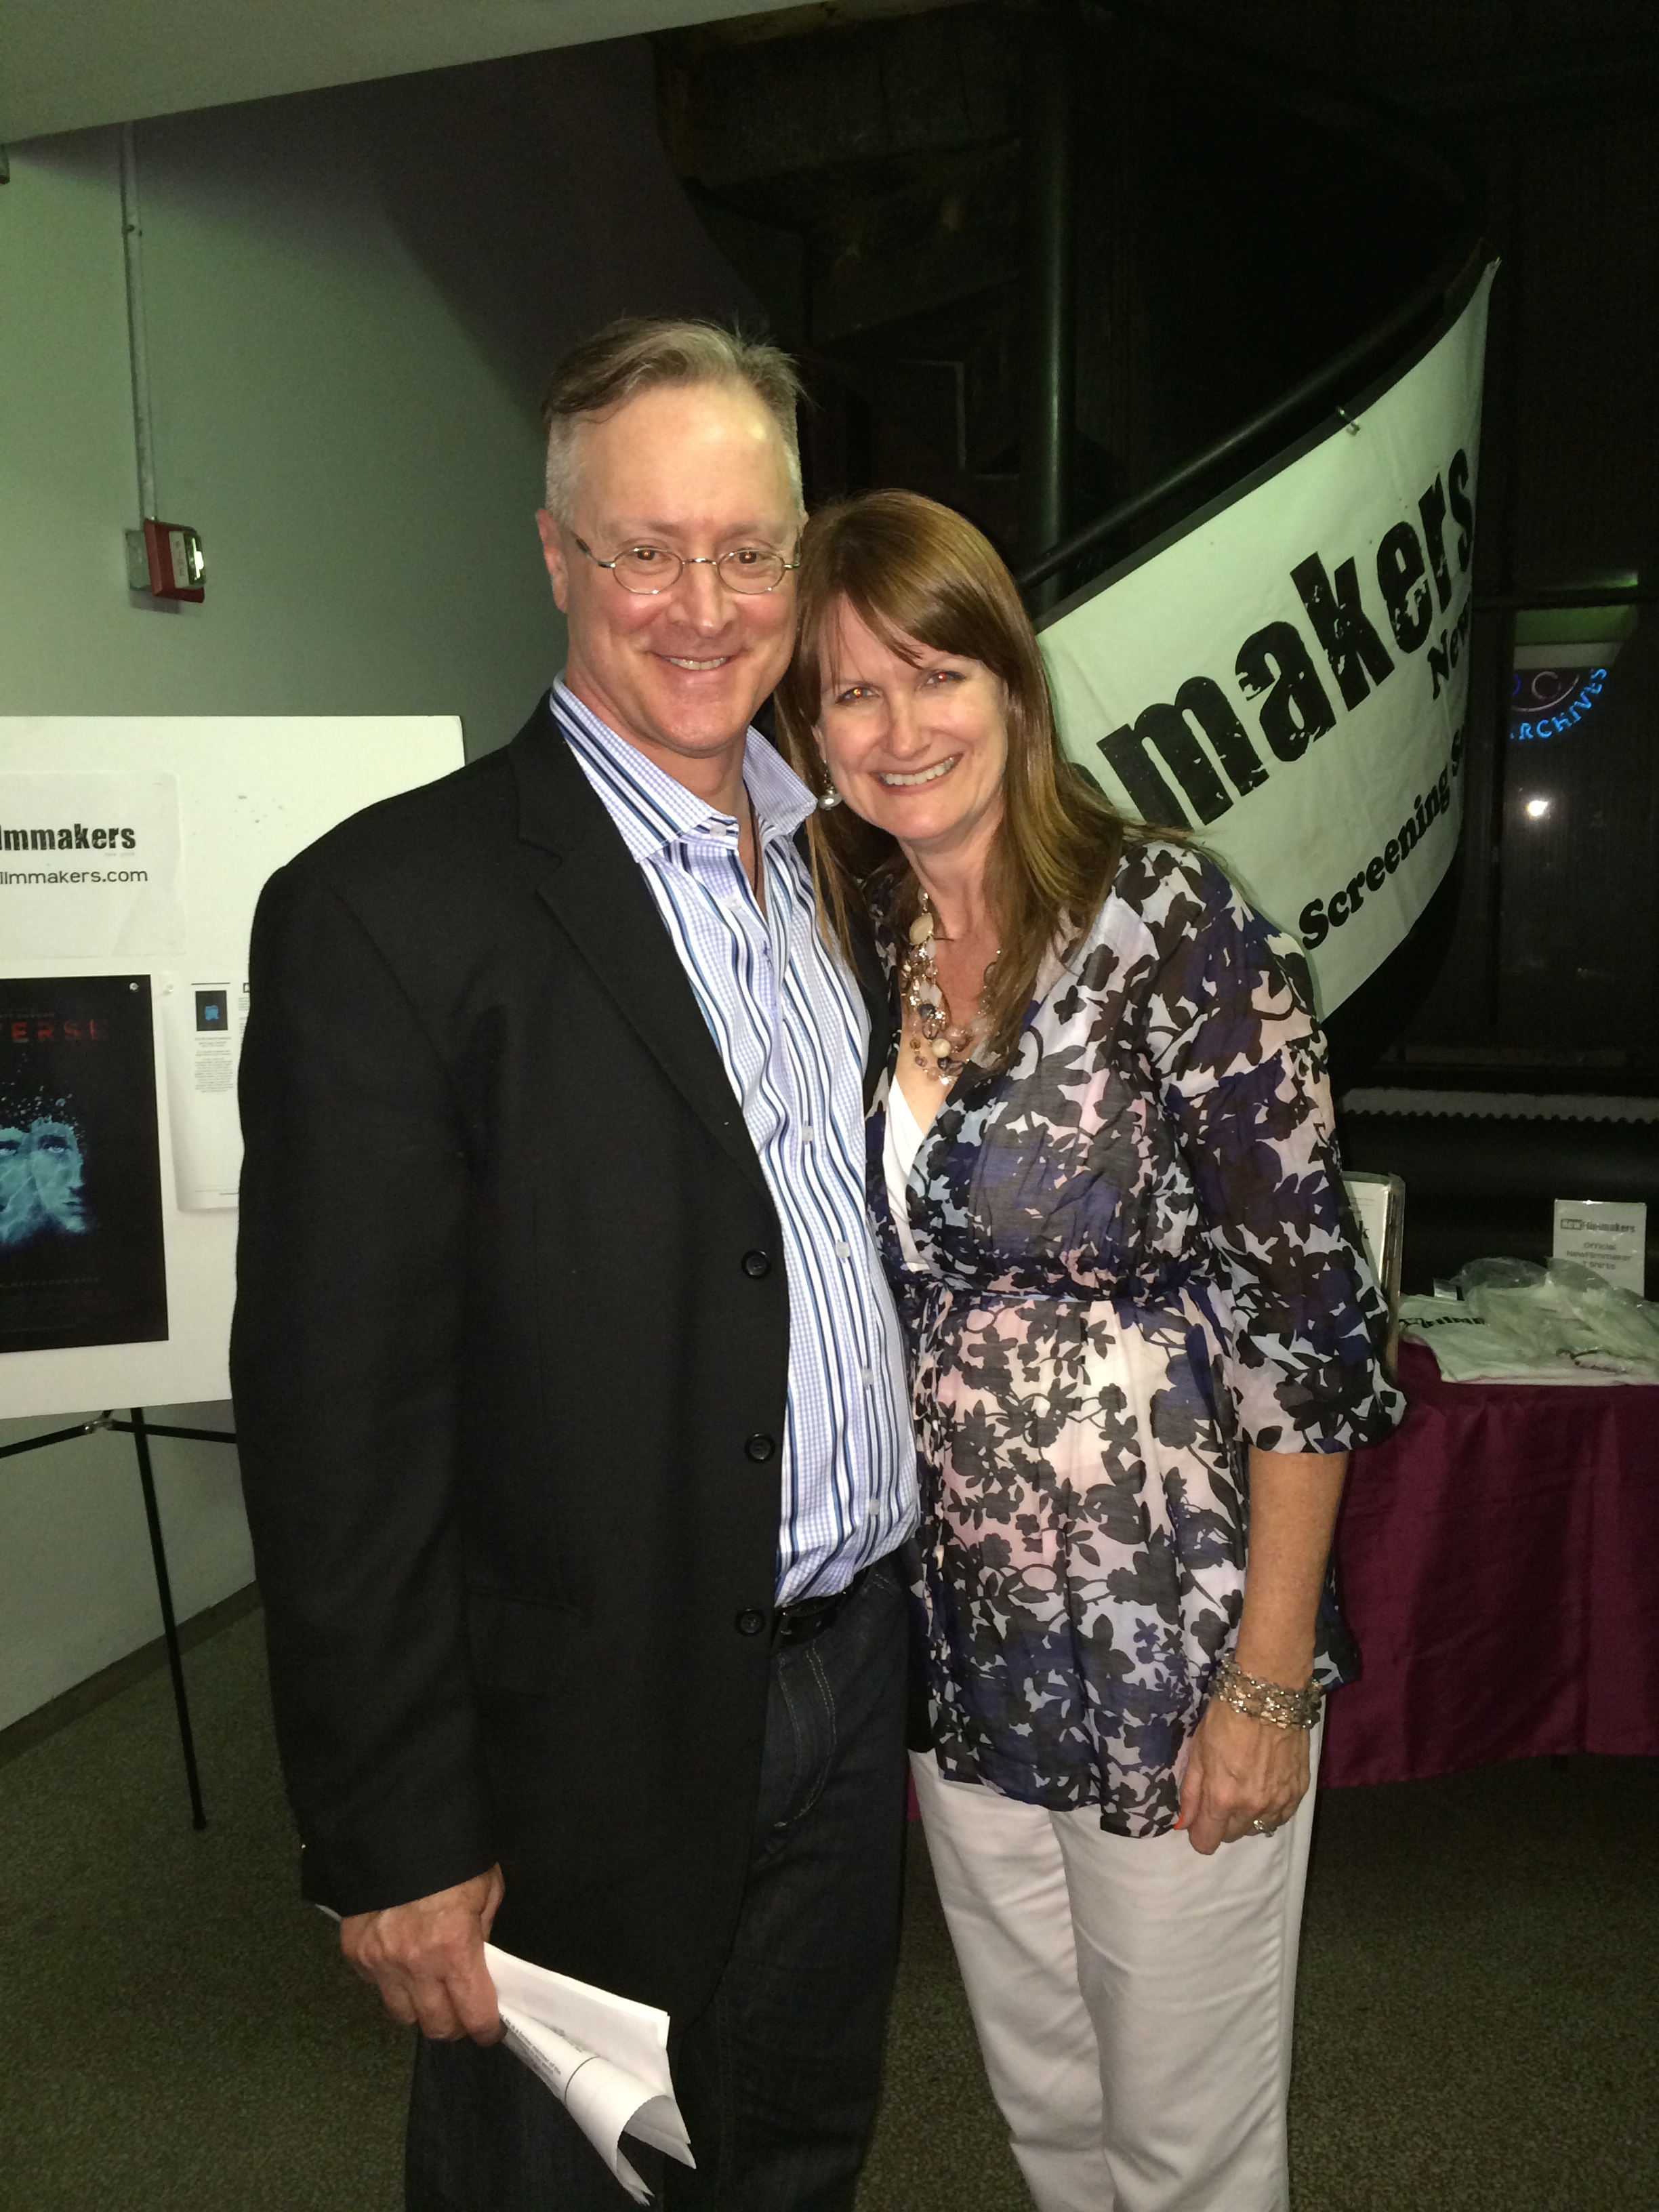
(648, 570)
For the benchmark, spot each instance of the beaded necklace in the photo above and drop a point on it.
(943, 1048)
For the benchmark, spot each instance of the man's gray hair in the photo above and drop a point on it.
(638, 353)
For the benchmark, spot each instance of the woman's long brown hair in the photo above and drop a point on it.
(918, 574)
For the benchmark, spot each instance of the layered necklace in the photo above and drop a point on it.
(939, 1047)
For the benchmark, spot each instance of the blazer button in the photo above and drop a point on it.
(756, 1264)
(760, 1447)
(751, 1622)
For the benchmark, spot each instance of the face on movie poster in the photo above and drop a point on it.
(81, 1252)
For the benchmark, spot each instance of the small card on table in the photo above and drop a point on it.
(1609, 1236)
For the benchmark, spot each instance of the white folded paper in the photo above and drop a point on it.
(604, 2057)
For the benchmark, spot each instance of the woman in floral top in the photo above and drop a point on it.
(1144, 1340)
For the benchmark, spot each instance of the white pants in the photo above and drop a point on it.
(1133, 2000)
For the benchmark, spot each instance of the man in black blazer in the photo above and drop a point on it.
(571, 1407)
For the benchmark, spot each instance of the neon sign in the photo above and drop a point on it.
(1548, 702)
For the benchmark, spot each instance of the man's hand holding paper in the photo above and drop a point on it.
(426, 1958)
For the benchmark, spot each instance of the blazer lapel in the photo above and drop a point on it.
(593, 887)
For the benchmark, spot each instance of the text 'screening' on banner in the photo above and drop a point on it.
(1288, 677)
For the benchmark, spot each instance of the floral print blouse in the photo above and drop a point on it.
(1136, 1262)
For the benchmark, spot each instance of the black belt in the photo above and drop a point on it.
(800, 1623)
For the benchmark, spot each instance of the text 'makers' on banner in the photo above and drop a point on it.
(1288, 675)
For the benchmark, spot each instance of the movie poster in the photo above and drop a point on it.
(81, 1259)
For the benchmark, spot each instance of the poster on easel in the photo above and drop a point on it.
(81, 1260)
(132, 852)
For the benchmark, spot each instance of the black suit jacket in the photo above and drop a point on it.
(510, 1364)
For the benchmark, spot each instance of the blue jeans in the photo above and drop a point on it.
(778, 2079)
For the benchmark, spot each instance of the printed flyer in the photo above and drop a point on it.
(202, 1025)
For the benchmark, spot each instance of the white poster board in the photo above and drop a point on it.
(1288, 673)
(132, 851)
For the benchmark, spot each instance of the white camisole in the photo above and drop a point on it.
(904, 1141)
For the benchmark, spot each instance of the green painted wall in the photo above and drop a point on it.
(363, 482)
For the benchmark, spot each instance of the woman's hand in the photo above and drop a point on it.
(1240, 1770)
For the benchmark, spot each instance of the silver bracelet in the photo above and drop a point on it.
(1266, 1701)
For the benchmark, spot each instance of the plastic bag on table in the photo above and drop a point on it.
(1516, 1321)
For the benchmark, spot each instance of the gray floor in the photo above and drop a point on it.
(1478, 2025)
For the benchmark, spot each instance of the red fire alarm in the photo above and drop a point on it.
(173, 552)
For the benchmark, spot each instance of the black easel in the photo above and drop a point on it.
(141, 1431)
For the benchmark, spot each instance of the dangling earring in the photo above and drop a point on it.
(829, 796)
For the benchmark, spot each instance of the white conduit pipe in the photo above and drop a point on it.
(132, 243)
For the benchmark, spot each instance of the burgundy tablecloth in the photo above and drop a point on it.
(1500, 1563)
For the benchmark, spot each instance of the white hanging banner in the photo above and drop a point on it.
(1288, 675)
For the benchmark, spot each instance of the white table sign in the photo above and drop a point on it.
(1610, 1237)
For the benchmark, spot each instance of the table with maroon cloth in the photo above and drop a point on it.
(1499, 1566)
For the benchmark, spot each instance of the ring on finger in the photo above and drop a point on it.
(1261, 1827)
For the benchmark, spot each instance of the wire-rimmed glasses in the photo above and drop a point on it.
(649, 569)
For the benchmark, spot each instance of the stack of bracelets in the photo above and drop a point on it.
(1266, 1701)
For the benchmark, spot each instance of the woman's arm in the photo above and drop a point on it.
(1240, 1770)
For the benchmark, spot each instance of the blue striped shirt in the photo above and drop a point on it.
(792, 1031)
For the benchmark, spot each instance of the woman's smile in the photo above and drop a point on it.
(895, 781)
